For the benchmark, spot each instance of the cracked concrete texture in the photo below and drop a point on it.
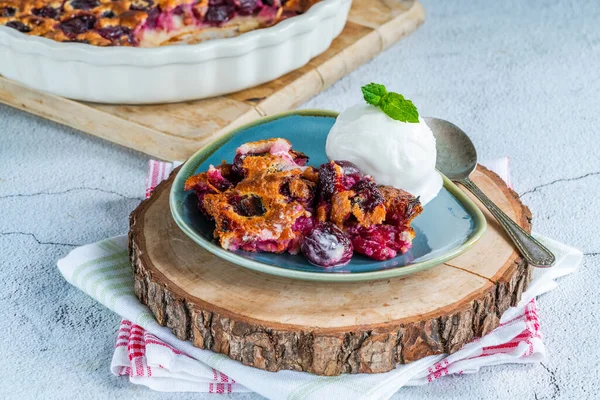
(521, 77)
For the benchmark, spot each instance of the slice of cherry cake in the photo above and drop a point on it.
(261, 202)
(376, 218)
(144, 23)
(268, 199)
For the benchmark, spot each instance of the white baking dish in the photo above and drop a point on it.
(172, 73)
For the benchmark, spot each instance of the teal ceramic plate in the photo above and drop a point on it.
(448, 226)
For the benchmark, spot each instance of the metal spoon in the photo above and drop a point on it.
(457, 158)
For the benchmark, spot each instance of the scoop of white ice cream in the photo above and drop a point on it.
(394, 153)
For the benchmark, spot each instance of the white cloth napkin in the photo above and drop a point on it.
(151, 355)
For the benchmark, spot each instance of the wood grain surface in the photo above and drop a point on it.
(277, 323)
(176, 131)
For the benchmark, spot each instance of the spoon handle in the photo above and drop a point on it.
(533, 251)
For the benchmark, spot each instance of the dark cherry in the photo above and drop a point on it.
(108, 14)
(77, 25)
(351, 173)
(238, 165)
(114, 32)
(46, 12)
(327, 246)
(228, 173)
(328, 180)
(7, 11)
(84, 4)
(219, 14)
(141, 5)
(247, 7)
(331, 179)
(248, 205)
(367, 195)
(306, 201)
(268, 2)
(284, 189)
(216, 178)
(21, 27)
(152, 20)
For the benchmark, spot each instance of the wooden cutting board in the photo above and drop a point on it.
(277, 323)
(176, 131)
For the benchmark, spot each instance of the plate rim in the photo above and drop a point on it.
(192, 163)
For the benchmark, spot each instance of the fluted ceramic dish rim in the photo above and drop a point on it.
(173, 54)
(190, 166)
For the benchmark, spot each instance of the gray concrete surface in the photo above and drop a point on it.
(522, 77)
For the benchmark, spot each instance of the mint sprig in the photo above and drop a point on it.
(374, 93)
(393, 104)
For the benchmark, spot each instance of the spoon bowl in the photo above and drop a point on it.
(457, 159)
(456, 154)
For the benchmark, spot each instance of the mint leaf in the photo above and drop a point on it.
(374, 93)
(399, 108)
(393, 104)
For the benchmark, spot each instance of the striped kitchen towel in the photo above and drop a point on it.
(151, 355)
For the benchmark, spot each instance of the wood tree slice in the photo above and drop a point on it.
(277, 323)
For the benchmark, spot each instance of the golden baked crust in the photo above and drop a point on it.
(257, 202)
(401, 206)
(256, 211)
(143, 22)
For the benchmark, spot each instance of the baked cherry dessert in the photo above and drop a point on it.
(262, 201)
(269, 200)
(376, 218)
(144, 23)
